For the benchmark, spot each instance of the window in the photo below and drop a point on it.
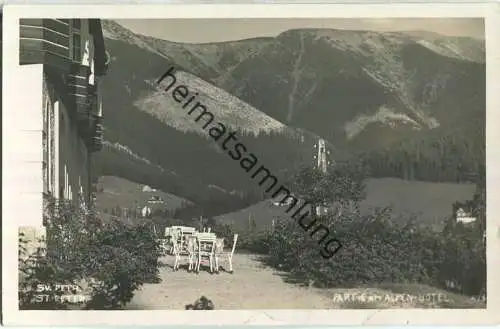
(76, 24)
(75, 40)
(48, 144)
(52, 146)
(45, 142)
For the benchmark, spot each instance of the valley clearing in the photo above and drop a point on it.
(256, 286)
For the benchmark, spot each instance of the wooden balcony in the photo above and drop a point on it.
(44, 41)
(96, 144)
(95, 139)
(78, 80)
(81, 94)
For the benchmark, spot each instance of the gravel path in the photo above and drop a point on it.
(252, 286)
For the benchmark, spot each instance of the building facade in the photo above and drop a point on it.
(62, 62)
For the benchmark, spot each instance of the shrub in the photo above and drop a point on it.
(377, 248)
(202, 303)
(35, 270)
(254, 242)
(223, 231)
(114, 258)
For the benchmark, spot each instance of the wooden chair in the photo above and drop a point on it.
(185, 250)
(171, 233)
(228, 255)
(206, 247)
(164, 246)
(166, 236)
(219, 251)
(184, 233)
(176, 250)
(192, 251)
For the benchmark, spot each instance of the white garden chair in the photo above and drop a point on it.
(164, 246)
(184, 250)
(228, 256)
(183, 232)
(169, 235)
(206, 247)
(192, 251)
(176, 250)
(218, 251)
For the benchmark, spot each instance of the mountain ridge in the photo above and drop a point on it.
(363, 92)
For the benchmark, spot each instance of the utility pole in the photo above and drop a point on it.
(321, 164)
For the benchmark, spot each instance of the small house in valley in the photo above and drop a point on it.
(463, 213)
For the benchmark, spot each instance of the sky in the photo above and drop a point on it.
(218, 30)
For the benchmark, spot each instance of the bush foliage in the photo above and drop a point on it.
(377, 248)
(109, 261)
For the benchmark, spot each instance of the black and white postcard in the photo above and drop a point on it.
(274, 164)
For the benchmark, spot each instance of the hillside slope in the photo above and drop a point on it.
(431, 203)
(145, 121)
(312, 78)
(227, 109)
(387, 97)
(118, 192)
(338, 83)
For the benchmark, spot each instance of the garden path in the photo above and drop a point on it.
(252, 286)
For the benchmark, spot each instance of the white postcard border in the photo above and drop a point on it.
(12, 93)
